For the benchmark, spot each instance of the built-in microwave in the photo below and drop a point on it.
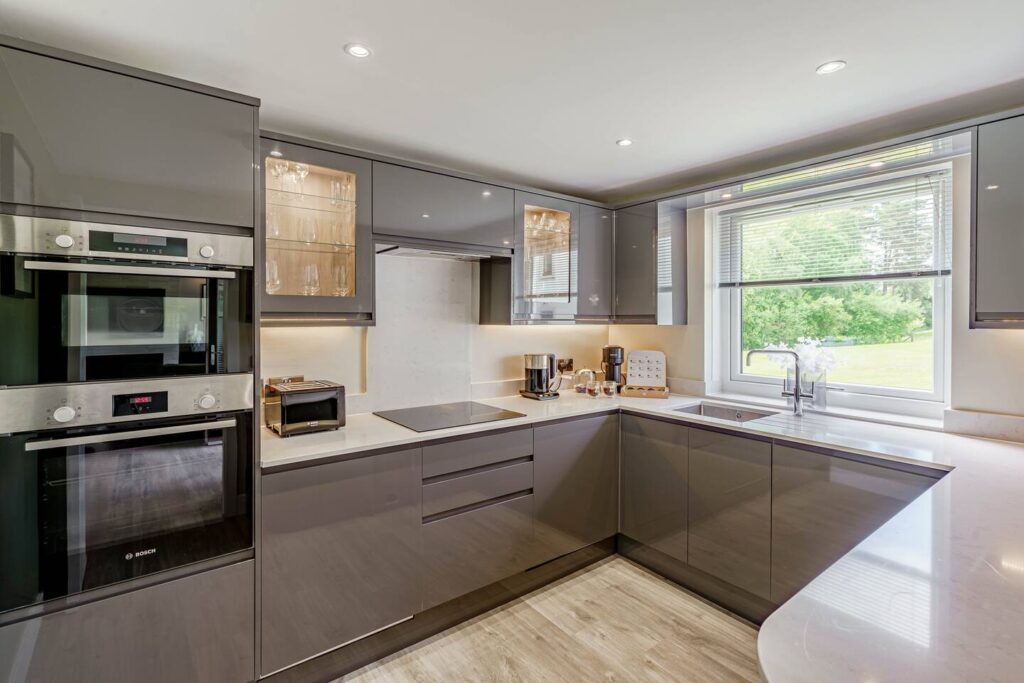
(85, 302)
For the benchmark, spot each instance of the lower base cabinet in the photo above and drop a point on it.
(730, 509)
(823, 505)
(197, 628)
(340, 553)
(575, 469)
(654, 463)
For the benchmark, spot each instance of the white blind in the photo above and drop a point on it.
(891, 229)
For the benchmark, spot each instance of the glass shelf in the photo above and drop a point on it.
(302, 245)
(297, 200)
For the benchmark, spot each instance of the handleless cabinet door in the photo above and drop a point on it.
(84, 139)
(575, 467)
(197, 628)
(595, 257)
(654, 484)
(999, 247)
(730, 509)
(823, 506)
(636, 263)
(412, 203)
(341, 550)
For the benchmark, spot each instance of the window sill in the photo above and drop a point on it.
(930, 424)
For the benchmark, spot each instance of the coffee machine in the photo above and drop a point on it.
(612, 358)
(542, 376)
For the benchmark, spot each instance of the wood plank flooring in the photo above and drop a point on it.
(613, 621)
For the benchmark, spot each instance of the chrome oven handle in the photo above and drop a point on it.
(128, 270)
(45, 444)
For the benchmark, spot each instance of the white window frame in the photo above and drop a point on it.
(727, 308)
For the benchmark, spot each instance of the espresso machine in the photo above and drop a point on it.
(612, 359)
(542, 377)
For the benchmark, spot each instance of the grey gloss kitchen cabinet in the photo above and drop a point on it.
(575, 484)
(636, 264)
(316, 233)
(654, 466)
(431, 206)
(94, 143)
(340, 553)
(196, 628)
(730, 502)
(823, 505)
(596, 263)
(545, 263)
(997, 279)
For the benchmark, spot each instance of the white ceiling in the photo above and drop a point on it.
(538, 91)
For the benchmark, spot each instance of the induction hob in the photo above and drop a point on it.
(444, 415)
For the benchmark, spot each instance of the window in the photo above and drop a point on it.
(861, 267)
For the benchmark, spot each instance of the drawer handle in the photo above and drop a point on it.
(476, 506)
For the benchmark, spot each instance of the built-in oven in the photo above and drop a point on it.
(85, 302)
(142, 479)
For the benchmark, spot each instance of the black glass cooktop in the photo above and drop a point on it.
(429, 418)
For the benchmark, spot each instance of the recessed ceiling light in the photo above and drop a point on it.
(486, 193)
(275, 153)
(426, 215)
(357, 50)
(727, 195)
(830, 67)
(991, 187)
(624, 142)
(877, 164)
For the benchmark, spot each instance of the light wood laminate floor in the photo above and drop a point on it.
(613, 621)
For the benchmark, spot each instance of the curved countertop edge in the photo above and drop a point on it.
(934, 594)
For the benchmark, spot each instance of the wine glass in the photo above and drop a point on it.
(339, 280)
(273, 223)
(301, 171)
(307, 229)
(337, 192)
(277, 169)
(273, 277)
(311, 280)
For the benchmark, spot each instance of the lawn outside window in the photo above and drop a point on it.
(862, 266)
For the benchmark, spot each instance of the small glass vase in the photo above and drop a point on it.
(814, 384)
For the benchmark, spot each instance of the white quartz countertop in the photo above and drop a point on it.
(936, 594)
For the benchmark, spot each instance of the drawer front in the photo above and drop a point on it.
(473, 549)
(470, 489)
(476, 452)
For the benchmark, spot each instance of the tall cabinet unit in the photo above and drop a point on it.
(316, 240)
(545, 268)
(997, 236)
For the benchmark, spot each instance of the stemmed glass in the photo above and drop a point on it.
(301, 171)
(340, 280)
(307, 229)
(311, 280)
(273, 277)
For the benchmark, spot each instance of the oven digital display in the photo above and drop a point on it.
(139, 404)
(130, 245)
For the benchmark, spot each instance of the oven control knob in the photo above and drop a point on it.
(206, 401)
(64, 414)
(64, 241)
(206, 251)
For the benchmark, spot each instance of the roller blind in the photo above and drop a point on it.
(895, 228)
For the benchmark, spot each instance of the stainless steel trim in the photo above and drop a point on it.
(128, 270)
(32, 235)
(28, 409)
(44, 444)
(338, 647)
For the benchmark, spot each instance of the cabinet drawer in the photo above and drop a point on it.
(476, 452)
(470, 489)
(473, 549)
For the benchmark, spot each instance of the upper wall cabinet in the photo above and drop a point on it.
(85, 142)
(545, 266)
(596, 263)
(410, 203)
(317, 243)
(636, 230)
(997, 279)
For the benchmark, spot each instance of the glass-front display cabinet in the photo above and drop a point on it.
(317, 244)
(546, 258)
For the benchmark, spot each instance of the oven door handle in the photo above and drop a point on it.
(45, 444)
(128, 270)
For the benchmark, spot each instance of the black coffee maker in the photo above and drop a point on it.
(612, 358)
(542, 377)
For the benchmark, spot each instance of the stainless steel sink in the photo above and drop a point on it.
(720, 412)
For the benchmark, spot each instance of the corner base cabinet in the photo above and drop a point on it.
(316, 235)
(340, 553)
(196, 628)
